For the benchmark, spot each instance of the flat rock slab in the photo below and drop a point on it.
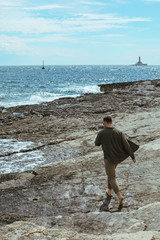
(60, 197)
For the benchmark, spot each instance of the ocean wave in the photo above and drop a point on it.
(39, 97)
(2, 96)
(91, 89)
(79, 89)
(33, 99)
(26, 85)
(43, 97)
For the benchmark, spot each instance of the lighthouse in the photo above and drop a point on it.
(139, 63)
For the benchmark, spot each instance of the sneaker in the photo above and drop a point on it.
(104, 207)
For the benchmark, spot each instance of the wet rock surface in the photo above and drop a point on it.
(61, 199)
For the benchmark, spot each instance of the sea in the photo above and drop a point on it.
(23, 85)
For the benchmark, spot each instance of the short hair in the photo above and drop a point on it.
(107, 119)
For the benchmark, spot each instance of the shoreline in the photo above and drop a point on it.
(63, 198)
(47, 123)
(108, 86)
(102, 88)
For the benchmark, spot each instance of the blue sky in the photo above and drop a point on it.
(66, 32)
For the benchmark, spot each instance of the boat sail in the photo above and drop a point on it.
(43, 65)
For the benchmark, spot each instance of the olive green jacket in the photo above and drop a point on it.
(116, 147)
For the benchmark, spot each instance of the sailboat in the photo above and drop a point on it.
(43, 65)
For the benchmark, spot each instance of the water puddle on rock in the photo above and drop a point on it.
(19, 156)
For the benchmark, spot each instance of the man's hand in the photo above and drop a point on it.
(134, 160)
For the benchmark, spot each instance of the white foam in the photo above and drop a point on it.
(43, 97)
(70, 90)
(33, 99)
(39, 97)
(19, 161)
(12, 145)
(91, 89)
(81, 89)
(36, 99)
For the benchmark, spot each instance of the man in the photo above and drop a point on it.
(116, 148)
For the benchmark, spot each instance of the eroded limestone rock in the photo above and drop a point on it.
(61, 200)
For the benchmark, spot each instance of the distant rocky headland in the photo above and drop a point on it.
(61, 199)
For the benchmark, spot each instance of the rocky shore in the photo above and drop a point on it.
(59, 198)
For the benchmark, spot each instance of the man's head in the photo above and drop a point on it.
(107, 121)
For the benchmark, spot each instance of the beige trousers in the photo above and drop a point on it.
(111, 174)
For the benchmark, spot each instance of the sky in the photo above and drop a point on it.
(79, 32)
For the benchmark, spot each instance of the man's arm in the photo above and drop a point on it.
(128, 148)
(98, 141)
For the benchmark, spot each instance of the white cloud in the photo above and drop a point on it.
(113, 44)
(30, 25)
(122, 1)
(23, 19)
(13, 45)
(23, 45)
(11, 4)
(54, 38)
(102, 4)
(46, 7)
(112, 35)
(30, 34)
(18, 46)
(93, 3)
(99, 22)
(82, 22)
(6, 3)
(112, 18)
(152, 0)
